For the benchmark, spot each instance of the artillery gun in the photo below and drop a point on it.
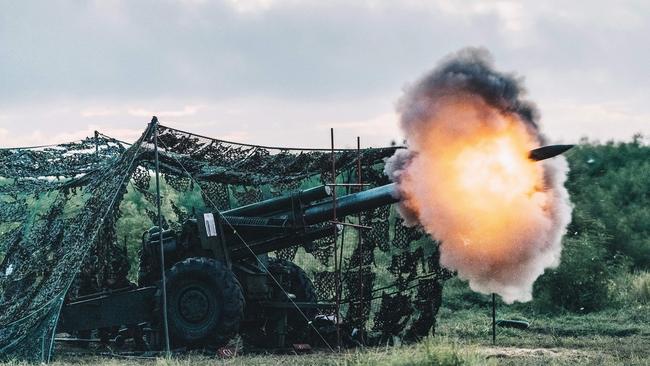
(220, 279)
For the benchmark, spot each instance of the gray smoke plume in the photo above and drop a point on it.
(468, 71)
(465, 177)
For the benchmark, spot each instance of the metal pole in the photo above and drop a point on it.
(359, 241)
(154, 122)
(340, 260)
(96, 143)
(336, 264)
(494, 322)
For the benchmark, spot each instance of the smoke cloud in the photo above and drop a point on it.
(467, 180)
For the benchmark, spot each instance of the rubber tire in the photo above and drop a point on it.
(300, 284)
(225, 303)
(302, 287)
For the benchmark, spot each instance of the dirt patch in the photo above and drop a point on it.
(514, 352)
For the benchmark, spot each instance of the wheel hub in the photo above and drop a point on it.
(194, 305)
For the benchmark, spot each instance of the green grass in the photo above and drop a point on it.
(619, 335)
(432, 351)
(608, 337)
(463, 337)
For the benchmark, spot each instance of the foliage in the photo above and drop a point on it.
(631, 289)
(134, 220)
(580, 282)
(641, 287)
(610, 188)
(611, 182)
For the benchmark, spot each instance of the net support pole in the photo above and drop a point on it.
(96, 143)
(361, 296)
(337, 273)
(154, 122)
(494, 320)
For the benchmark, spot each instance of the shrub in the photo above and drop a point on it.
(580, 283)
(609, 182)
(640, 287)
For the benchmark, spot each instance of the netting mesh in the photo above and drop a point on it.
(60, 208)
(74, 189)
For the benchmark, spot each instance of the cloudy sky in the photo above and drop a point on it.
(279, 72)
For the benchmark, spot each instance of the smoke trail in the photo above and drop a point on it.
(466, 177)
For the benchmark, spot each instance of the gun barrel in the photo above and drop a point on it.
(282, 203)
(352, 203)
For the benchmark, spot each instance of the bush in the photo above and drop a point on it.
(609, 182)
(581, 281)
(640, 288)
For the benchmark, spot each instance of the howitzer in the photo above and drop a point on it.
(221, 281)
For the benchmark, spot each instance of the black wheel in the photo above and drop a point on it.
(296, 282)
(204, 303)
(299, 283)
(301, 286)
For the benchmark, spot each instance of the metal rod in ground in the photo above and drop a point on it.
(337, 277)
(154, 121)
(340, 260)
(359, 241)
(97, 144)
(494, 320)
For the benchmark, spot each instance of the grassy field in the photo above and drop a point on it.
(463, 338)
(617, 336)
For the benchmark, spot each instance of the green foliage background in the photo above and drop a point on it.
(609, 235)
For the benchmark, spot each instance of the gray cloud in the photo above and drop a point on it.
(313, 57)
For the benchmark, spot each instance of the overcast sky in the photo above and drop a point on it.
(283, 72)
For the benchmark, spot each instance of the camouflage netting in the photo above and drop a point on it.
(55, 201)
(60, 207)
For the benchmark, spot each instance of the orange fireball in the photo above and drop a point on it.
(473, 187)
